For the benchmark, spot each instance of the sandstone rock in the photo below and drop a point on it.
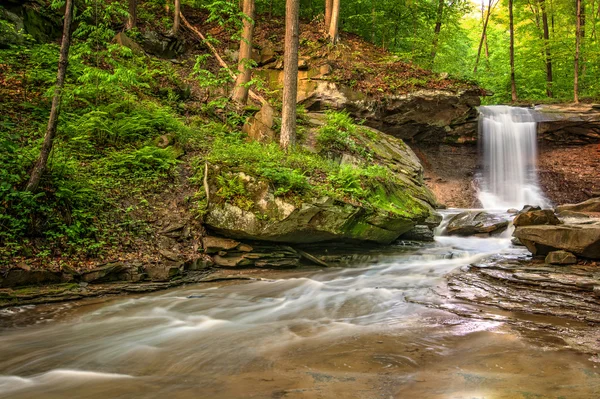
(561, 258)
(124, 40)
(573, 215)
(213, 245)
(530, 208)
(592, 205)
(260, 126)
(580, 239)
(533, 218)
(475, 222)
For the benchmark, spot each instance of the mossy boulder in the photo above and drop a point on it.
(389, 208)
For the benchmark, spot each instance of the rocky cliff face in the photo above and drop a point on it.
(423, 116)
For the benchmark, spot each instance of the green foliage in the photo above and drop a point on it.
(146, 162)
(339, 134)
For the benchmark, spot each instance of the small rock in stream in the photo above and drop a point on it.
(561, 258)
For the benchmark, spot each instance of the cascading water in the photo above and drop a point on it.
(508, 136)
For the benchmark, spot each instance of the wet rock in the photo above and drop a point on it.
(530, 208)
(213, 245)
(476, 222)
(580, 239)
(561, 258)
(418, 233)
(512, 211)
(590, 206)
(533, 218)
(516, 241)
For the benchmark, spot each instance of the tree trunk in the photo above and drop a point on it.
(485, 23)
(438, 28)
(240, 91)
(63, 62)
(290, 75)
(177, 19)
(132, 19)
(513, 86)
(577, 44)
(547, 48)
(328, 10)
(335, 20)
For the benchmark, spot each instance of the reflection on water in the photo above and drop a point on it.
(357, 332)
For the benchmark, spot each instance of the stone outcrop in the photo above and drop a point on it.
(402, 204)
(423, 116)
(541, 232)
(569, 124)
(580, 239)
(591, 206)
(470, 223)
(532, 218)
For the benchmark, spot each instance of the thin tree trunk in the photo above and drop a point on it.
(240, 91)
(487, 17)
(373, 20)
(513, 86)
(335, 21)
(63, 62)
(177, 19)
(549, 77)
(290, 75)
(328, 10)
(577, 44)
(253, 95)
(132, 19)
(436, 31)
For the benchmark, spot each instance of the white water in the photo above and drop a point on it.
(508, 136)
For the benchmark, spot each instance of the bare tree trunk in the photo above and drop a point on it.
(335, 21)
(290, 75)
(513, 86)
(373, 20)
(487, 17)
(132, 19)
(240, 91)
(63, 62)
(549, 77)
(177, 19)
(328, 10)
(577, 44)
(438, 28)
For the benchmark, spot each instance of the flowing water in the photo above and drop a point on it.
(508, 136)
(363, 332)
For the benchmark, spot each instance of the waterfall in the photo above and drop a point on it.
(509, 144)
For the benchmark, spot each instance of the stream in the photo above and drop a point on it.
(375, 330)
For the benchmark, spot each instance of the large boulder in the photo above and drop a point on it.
(475, 223)
(533, 218)
(580, 239)
(397, 205)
